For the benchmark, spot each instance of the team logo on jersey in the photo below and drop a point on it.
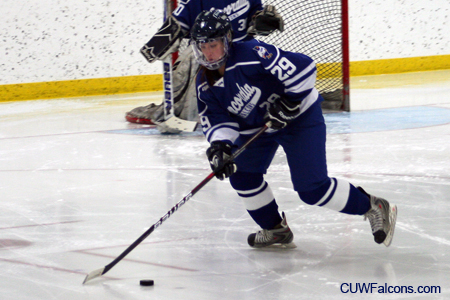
(245, 100)
(263, 52)
(236, 9)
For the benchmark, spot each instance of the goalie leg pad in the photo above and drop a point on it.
(184, 94)
(184, 89)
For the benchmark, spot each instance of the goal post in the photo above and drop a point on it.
(319, 29)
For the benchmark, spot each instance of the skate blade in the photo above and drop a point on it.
(392, 219)
(279, 246)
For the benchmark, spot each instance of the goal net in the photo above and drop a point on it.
(319, 29)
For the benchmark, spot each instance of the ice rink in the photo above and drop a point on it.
(78, 185)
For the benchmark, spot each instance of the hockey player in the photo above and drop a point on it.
(242, 13)
(243, 86)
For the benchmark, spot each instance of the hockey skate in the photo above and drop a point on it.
(382, 217)
(279, 237)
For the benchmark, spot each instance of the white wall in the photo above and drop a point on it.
(50, 40)
(383, 29)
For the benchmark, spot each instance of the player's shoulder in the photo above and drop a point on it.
(252, 44)
(255, 51)
(269, 56)
(270, 53)
(201, 82)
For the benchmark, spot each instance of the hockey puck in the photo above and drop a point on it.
(146, 282)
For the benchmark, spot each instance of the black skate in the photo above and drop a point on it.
(281, 237)
(382, 217)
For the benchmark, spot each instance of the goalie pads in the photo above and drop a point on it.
(164, 42)
(266, 21)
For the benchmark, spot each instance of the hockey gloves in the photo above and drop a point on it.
(266, 21)
(218, 155)
(281, 112)
(164, 42)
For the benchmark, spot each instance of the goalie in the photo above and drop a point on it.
(248, 18)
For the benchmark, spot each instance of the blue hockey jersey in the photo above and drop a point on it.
(256, 74)
(238, 11)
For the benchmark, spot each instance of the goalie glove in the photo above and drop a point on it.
(164, 42)
(281, 113)
(266, 21)
(218, 155)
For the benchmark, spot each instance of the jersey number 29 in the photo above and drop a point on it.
(284, 69)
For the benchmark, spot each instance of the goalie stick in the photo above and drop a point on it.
(171, 124)
(101, 271)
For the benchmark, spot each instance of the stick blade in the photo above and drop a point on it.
(94, 274)
(178, 124)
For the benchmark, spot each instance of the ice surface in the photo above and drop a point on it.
(78, 185)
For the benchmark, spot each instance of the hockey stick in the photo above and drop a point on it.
(101, 271)
(172, 123)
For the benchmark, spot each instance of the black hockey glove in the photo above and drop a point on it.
(218, 154)
(266, 21)
(164, 42)
(281, 113)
